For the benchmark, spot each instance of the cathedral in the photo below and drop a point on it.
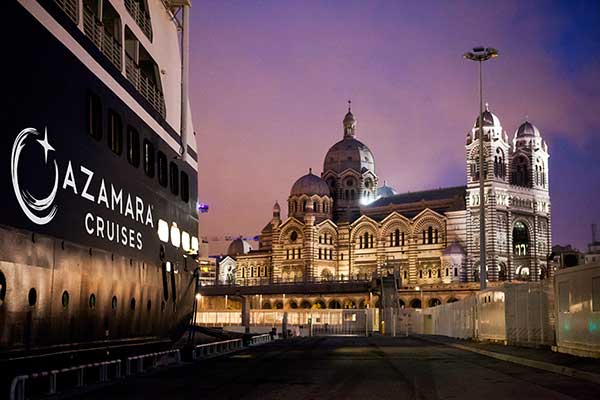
(344, 225)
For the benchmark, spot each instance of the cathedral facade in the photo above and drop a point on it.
(343, 225)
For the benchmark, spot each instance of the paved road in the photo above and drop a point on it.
(351, 368)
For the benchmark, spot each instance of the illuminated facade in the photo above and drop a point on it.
(340, 226)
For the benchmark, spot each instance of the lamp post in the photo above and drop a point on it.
(481, 54)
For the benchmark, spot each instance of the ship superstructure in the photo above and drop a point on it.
(98, 228)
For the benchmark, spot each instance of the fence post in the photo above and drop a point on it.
(80, 377)
(52, 388)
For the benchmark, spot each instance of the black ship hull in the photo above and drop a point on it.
(81, 259)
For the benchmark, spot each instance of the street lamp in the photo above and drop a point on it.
(481, 54)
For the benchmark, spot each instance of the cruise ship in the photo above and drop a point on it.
(98, 222)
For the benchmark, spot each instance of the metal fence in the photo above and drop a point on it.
(207, 350)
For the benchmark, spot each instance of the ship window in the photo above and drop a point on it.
(162, 169)
(113, 303)
(185, 187)
(93, 116)
(92, 301)
(65, 299)
(2, 288)
(32, 297)
(115, 132)
(133, 146)
(174, 178)
(148, 158)
(149, 305)
(132, 304)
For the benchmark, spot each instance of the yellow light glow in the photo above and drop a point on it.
(198, 296)
(175, 235)
(185, 240)
(163, 231)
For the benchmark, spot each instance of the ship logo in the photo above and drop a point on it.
(39, 211)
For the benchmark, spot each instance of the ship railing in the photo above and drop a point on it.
(207, 350)
(141, 17)
(94, 30)
(18, 384)
(141, 363)
(70, 7)
(144, 85)
(260, 339)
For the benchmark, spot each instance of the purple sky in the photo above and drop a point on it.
(270, 81)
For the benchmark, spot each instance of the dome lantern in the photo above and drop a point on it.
(349, 122)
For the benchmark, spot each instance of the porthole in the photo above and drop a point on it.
(32, 297)
(65, 299)
(132, 304)
(149, 305)
(114, 303)
(92, 301)
(2, 288)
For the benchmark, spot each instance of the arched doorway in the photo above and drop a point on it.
(334, 304)
(279, 305)
(502, 275)
(305, 304)
(415, 303)
(349, 303)
(452, 300)
(401, 303)
(266, 305)
(293, 304)
(434, 302)
(319, 305)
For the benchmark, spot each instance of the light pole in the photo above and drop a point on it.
(481, 54)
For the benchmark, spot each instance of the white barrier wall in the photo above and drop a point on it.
(578, 310)
(515, 313)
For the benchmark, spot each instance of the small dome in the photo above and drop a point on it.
(454, 249)
(527, 129)
(489, 119)
(310, 184)
(349, 153)
(386, 191)
(238, 247)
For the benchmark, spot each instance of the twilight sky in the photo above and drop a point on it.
(270, 81)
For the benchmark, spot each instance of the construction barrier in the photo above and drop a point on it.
(515, 313)
(578, 310)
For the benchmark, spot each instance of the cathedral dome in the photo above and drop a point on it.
(349, 153)
(310, 184)
(489, 119)
(386, 191)
(527, 129)
(454, 249)
(238, 247)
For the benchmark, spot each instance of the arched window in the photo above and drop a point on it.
(429, 273)
(315, 206)
(304, 206)
(397, 237)
(520, 239)
(352, 194)
(366, 240)
(424, 239)
(430, 235)
(360, 239)
(436, 236)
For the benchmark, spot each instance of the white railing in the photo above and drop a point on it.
(94, 30)
(136, 364)
(216, 348)
(141, 17)
(144, 85)
(70, 7)
(17, 387)
(260, 339)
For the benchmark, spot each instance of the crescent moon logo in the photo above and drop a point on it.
(39, 211)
